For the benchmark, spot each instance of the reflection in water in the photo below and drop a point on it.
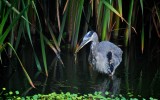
(110, 85)
(55, 75)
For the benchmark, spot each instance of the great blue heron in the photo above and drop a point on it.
(104, 56)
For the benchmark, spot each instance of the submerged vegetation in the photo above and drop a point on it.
(56, 24)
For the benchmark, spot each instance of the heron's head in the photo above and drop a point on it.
(90, 36)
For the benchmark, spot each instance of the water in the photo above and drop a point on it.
(137, 74)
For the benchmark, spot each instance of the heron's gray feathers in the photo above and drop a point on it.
(106, 47)
(105, 57)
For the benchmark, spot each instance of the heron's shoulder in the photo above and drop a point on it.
(106, 45)
(103, 46)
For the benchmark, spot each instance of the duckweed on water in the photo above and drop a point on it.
(65, 96)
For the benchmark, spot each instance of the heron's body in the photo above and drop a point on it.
(99, 56)
(104, 56)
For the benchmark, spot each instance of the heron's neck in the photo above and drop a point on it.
(94, 45)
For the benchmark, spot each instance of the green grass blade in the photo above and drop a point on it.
(27, 24)
(20, 30)
(120, 7)
(3, 37)
(117, 19)
(53, 48)
(99, 10)
(30, 39)
(118, 14)
(142, 34)
(141, 2)
(43, 53)
(41, 41)
(4, 19)
(58, 18)
(77, 23)
(37, 61)
(53, 37)
(39, 23)
(51, 45)
(142, 38)
(62, 26)
(28, 77)
(112, 9)
(15, 10)
(128, 29)
(106, 21)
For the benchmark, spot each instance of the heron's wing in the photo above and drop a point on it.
(107, 48)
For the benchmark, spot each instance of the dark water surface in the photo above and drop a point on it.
(138, 73)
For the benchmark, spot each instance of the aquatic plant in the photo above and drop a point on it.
(69, 96)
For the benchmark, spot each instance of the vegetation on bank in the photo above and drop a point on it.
(70, 96)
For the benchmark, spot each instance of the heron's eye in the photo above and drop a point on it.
(109, 55)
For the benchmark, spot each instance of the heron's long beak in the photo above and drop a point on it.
(82, 45)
